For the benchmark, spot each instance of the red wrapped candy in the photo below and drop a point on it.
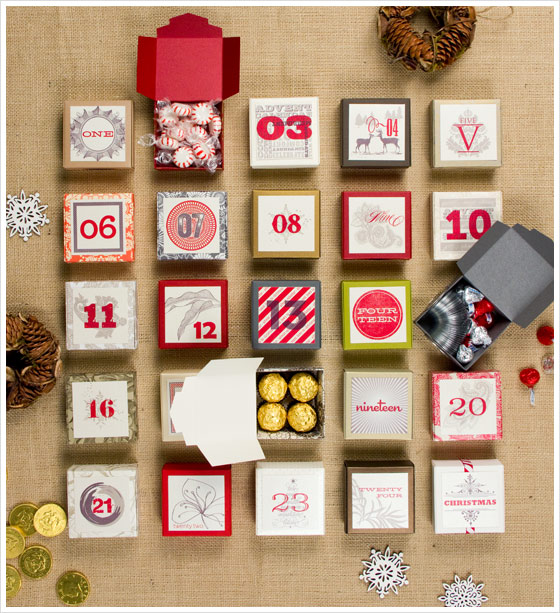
(486, 320)
(545, 335)
(482, 307)
(530, 377)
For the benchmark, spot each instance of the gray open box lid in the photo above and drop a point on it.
(514, 269)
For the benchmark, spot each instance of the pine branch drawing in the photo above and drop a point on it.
(195, 303)
(377, 515)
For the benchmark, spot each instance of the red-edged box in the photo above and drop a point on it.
(193, 313)
(188, 61)
(376, 226)
(196, 500)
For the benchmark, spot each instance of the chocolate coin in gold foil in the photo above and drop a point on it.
(72, 588)
(302, 417)
(271, 416)
(35, 562)
(303, 387)
(273, 387)
(15, 542)
(13, 581)
(50, 520)
(21, 516)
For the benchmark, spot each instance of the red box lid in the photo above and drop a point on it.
(189, 60)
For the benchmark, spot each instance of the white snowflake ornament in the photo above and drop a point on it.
(463, 593)
(384, 572)
(24, 215)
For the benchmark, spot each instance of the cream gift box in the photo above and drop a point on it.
(290, 498)
(379, 497)
(98, 134)
(101, 315)
(378, 404)
(459, 219)
(466, 406)
(103, 500)
(466, 134)
(284, 132)
(468, 496)
(101, 408)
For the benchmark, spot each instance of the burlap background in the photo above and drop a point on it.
(62, 53)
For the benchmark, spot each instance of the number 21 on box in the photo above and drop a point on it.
(193, 313)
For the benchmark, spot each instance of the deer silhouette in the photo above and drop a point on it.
(388, 141)
(363, 142)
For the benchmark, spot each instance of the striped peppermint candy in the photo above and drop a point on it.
(177, 133)
(201, 113)
(181, 110)
(204, 150)
(183, 157)
(196, 134)
(167, 142)
(167, 117)
(215, 125)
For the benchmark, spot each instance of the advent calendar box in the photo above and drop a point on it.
(193, 313)
(466, 406)
(513, 268)
(97, 134)
(459, 219)
(466, 134)
(286, 224)
(192, 226)
(468, 496)
(375, 133)
(379, 497)
(102, 500)
(196, 500)
(188, 61)
(99, 228)
(101, 408)
(290, 498)
(170, 383)
(284, 132)
(376, 315)
(378, 404)
(101, 315)
(376, 226)
(286, 314)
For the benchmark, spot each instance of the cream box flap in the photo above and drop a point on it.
(215, 411)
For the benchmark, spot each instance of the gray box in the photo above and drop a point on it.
(514, 269)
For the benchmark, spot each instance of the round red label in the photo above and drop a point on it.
(377, 314)
(191, 225)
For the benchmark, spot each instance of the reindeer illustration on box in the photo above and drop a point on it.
(366, 120)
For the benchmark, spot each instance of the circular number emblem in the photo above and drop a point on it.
(101, 504)
(191, 225)
(98, 133)
(377, 314)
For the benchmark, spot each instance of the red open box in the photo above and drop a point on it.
(188, 61)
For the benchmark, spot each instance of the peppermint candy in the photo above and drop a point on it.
(167, 142)
(178, 133)
(197, 133)
(215, 125)
(201, 113)
(204, 150)
(167, 117)
(183, 157)
(181, 110)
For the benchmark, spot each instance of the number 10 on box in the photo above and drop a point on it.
(286, 314)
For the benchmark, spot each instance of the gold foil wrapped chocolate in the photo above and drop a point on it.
(302, 417)
(271, 416)
(303, 387)
(273, 387)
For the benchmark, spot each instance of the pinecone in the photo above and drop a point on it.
(14, 332)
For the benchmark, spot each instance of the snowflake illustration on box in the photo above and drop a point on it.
(463, 593)
(24, 215)
(384, 572)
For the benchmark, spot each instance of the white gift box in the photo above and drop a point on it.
(290, 498)
(102, 500)
(469, 496)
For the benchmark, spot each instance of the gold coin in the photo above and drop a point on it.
(21, 516)
(15, 542)
(72, 588)
(50, 520)
(35, 562)
(13, 581)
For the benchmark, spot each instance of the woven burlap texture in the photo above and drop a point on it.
(90, 53)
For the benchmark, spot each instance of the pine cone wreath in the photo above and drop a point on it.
(454, 35)
(32, 361)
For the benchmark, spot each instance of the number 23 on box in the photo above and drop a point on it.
(193, 313)
(99, 228)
